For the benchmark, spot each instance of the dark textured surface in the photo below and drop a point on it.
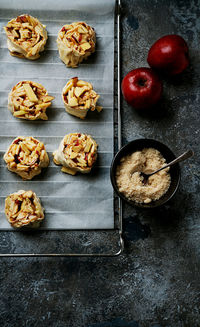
(156, 281)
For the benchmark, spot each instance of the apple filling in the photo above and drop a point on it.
(23, 209)
(26, 157)
(77, 152)
(26, 37)
(75, 43)
(78, 97)
(29, 100)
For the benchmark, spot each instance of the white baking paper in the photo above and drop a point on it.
(70, 202)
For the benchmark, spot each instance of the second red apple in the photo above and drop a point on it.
(169, 54)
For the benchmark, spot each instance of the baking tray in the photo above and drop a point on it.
(107, 242)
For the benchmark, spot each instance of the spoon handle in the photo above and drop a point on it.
(182, 157)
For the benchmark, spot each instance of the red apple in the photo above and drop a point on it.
(141, 88)
(169, 54)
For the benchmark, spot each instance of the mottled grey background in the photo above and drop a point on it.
(156, 281)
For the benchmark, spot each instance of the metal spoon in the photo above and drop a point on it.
(182, 157)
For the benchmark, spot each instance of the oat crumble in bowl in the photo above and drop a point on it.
(130, 183)
(135, 146)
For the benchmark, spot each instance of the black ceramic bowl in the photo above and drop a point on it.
(167, 154)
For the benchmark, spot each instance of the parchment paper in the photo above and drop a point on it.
(70, 202)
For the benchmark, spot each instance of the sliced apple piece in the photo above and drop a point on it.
(82, 29)
(30, 94)
(88, 146)
(19, 113)
(24, 148)
(80, 90)
(67, 26)
(83, 83)
(87, 104)
(68, 87)
(77, 148)
(85, 46)
(80, 83)
(15, 34)
(73, 102)
(73, 155)
(48, 98)
(82, 161)
(71, 92)
(30, 145)
(28, 194)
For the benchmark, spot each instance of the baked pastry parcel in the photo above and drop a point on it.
(77, 153)
(29, 100)
(78, 97)
(26, 157)
(26, 37)
(23, 209)
(75, 43)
